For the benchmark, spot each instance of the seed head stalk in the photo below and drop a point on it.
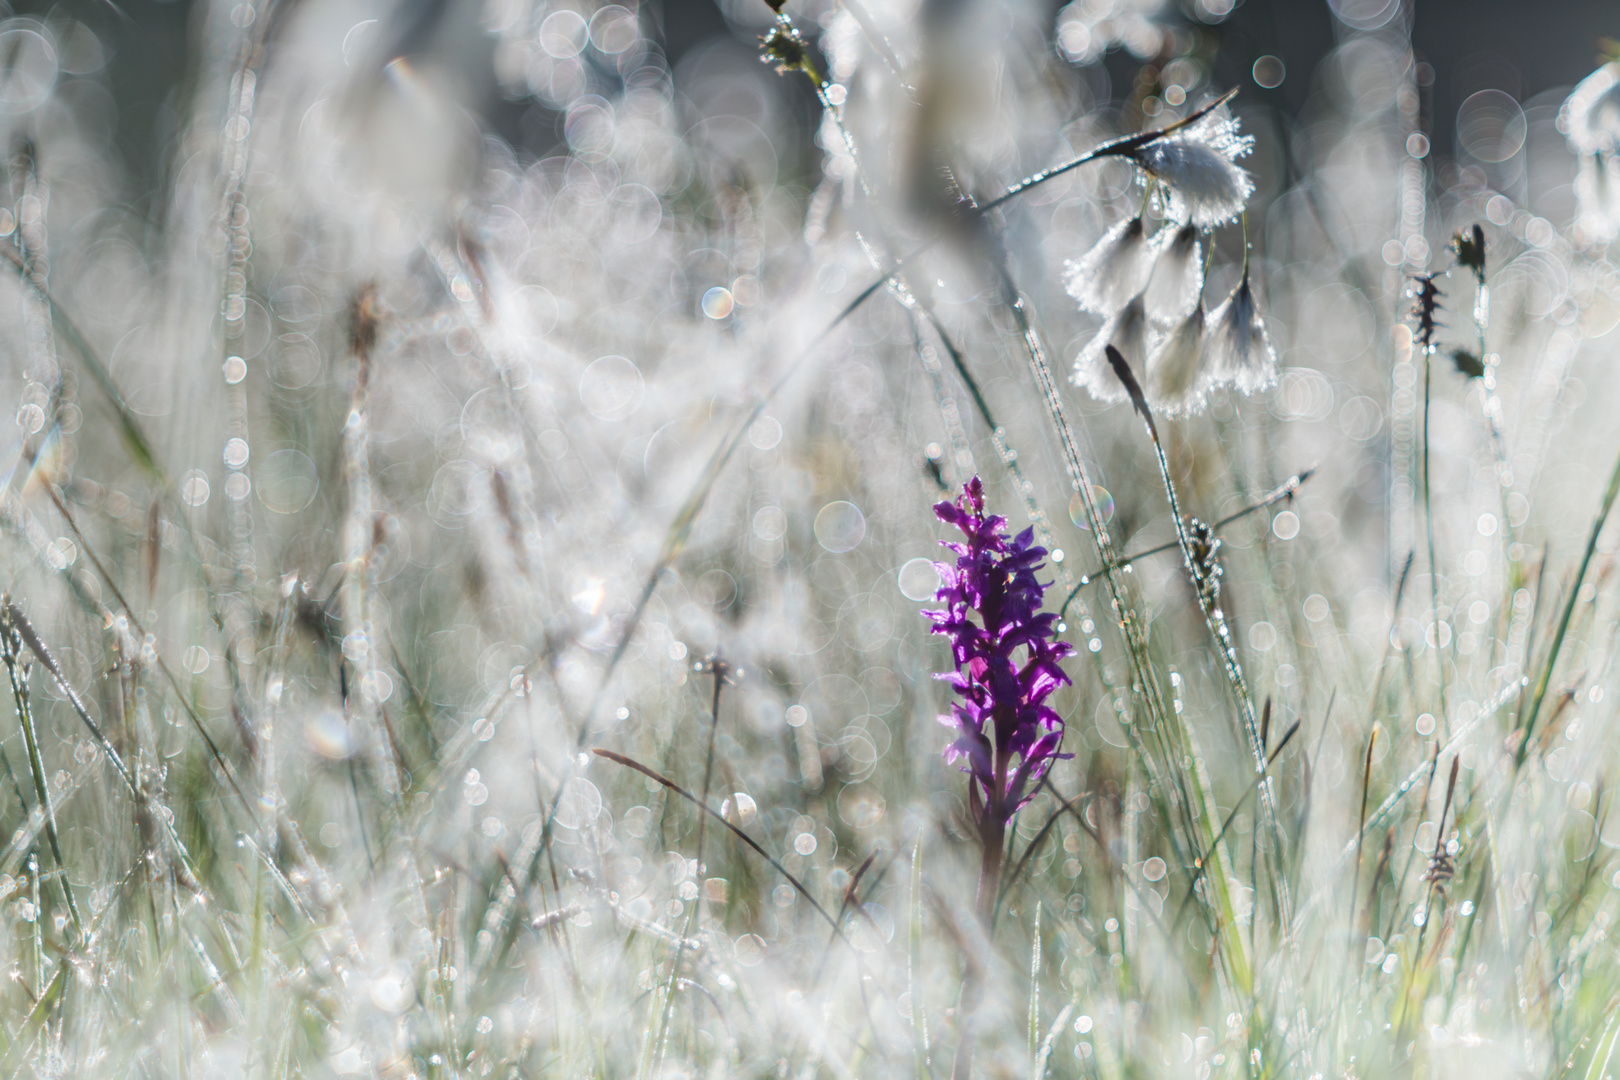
(1198, 803)
(359, 571)
(1428, 298)
(1204, 578)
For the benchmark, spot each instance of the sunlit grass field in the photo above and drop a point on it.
(464, 602)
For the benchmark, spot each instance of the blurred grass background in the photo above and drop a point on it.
(375, 371)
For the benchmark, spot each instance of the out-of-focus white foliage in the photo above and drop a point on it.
(1590, 118)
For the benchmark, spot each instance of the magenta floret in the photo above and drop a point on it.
(1006, 661)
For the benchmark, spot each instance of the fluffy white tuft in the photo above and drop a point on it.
(1199, 165)
(1596, 198)
(1178, 276)
(1177, 381)
(1590, 116)
(1240, 350)
(1105, 278)
(1127, 331)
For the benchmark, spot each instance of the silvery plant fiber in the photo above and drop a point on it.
(472, 486)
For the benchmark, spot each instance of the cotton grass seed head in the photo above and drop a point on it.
(1595, 196)
(1240, 350)
(1178, 276)
(1199, 166)
(1104, 279)
(1177, 380)
(1127, 331)
(1590, 116)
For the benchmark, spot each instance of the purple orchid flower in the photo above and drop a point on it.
(1006, 661)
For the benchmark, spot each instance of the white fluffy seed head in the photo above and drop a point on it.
(1178, 276)
(1596, 197)
(1177, 380)
(1590, 116)
(1104, 279)
(1127, 331)
(1199, 166)
(1240, 350)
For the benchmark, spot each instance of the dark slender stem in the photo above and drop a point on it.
(1428, 526)
(992, 833)
(1117, 148)
(720, 670)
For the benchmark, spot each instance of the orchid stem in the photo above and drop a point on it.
(992, 833)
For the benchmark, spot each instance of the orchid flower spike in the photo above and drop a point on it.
(1104, 279)
(1005, 656)
(1199, 166)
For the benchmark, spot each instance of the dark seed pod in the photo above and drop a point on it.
(1469, 248)
(1425, 307)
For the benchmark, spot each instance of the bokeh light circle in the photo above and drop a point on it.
(918, 579)
(1491, 126)
(840, 527)
(1105, 505)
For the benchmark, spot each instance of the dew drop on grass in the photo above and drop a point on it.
(30, 70)
(749, 949)
(636, 821)
(1105, 507)
(744, 808)
(194, 489)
